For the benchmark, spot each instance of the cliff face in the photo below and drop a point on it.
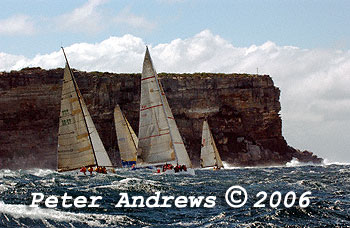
(242, 111)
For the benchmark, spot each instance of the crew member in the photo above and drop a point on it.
(90, 169)
(83, 170)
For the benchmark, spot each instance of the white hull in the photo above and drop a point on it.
(211, 168)
(189, 171)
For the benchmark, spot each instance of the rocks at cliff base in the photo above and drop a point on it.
(252, 154)
(307, 157)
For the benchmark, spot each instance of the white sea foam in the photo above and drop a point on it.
(48, 182)
(40, 172)
(218, 217)
(45, 215)
(3, 188)
(327, 162)
(7, 173)
(229, 166)
(132, 183)
(185, 224)
(35, 172)
(295, 163)
(131, 180)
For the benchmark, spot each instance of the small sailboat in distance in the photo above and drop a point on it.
(159, 139)
(127, 139)
(79, 144)
(210, 156)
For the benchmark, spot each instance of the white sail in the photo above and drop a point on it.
(209, 153)
(180, 150)
(78, 141)
(127, 139)
(100, 151)
(159, 138)
(74, 146)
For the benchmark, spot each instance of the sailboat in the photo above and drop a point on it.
(127, 139)
(159, 139)
(78, 141)
(210, 156)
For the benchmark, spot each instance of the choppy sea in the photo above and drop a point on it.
(328, 206)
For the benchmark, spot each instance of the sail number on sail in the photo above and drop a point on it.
(65, 121)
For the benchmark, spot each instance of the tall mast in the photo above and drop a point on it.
(162, 100)
(81, 107)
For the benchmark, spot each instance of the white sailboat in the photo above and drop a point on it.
(127, 139)
(210, 156)
(78, 141)
(159, 139)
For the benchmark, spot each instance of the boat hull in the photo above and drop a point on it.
(189, 171)
(128, 164)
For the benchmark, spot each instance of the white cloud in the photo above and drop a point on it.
(93, 18)
(115, 54)
(314, 83)
(9, 62)
(17, 25)
(86, 18)
(125, 17)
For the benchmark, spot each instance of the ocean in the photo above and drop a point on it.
(326, 200)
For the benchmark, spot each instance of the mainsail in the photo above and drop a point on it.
(78, 141)
(127, 139)
(159, 137)
(209, 153)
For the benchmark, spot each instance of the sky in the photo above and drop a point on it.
(304, 45)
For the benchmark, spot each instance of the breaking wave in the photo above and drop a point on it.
(295, 162)
(327, 162)
(329, 184)
(18, 214)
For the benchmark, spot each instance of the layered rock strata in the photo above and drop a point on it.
(242, 111)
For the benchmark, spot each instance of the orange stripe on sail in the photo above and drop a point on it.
(73, 99)
(74, 112)
(85, 148)
(154, 106)
(147, 78)
(82, 136)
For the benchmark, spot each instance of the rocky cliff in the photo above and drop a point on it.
(242, 111)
